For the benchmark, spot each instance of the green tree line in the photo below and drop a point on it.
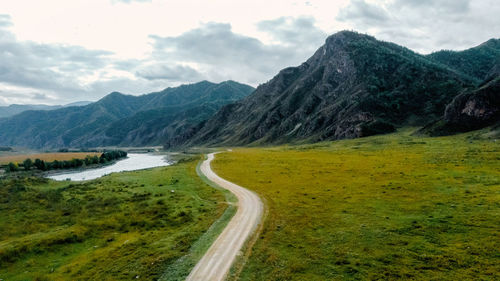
(42, 165)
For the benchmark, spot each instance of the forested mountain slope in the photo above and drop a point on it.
(119, 119)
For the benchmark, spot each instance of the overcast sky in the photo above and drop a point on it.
(61, 51)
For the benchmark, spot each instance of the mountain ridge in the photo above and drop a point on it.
(353, 86)
(476, 62)
(87, 126)
(14, 109)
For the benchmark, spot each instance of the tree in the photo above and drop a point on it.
(79, 162)
(38, 164)
(44, 166)
(12, 167)
(103, 159)
(27, 164)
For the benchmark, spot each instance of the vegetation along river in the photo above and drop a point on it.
(131, 163)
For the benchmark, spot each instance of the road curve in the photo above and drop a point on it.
(217, 261)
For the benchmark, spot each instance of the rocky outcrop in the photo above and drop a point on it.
(474, 110)
(468, 111)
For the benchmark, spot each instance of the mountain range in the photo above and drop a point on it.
(14, 109)
(121, 120)
(353, 86)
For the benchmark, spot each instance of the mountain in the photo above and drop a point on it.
(469, 111)
(78, 103)
(14, 109)
(476, 62)
(353, 86)
(119, 119)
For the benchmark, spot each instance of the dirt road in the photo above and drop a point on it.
(215, 264)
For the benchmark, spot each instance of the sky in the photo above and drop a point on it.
(62, 51)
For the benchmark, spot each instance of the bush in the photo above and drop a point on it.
(376, 127)
(27, 164)
(39, 164)
(12, 167)
(112, 155)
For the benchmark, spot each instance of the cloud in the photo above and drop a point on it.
(13, 95)
(5, 21)
(220, 53)
(60, 73)
(49, 68)
(299, 31)
(39, 96)
(32, 72)
(130, 1)
(425, 25)
(441, 6)
(167, 72)
(55, 68)
(364, 13)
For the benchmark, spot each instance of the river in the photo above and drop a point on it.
(131, 163)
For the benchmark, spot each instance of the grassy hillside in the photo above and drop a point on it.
(378, 208)
(120, 227)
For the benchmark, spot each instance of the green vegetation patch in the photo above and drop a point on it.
(379, 208)
(181, 268)
(123, 226)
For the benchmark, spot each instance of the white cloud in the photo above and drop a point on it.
(130, 1)
(169, 72)
(222, 54)
(212, 51)
(426, 25)
(66, 51)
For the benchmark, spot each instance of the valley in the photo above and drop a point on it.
(122, 226)
(128, 152)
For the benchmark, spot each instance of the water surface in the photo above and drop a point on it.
(131, 163)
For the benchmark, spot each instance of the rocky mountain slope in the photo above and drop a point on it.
(470, 110)
(119, 119)
(353, 86)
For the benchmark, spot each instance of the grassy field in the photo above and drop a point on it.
(380, 208)
(45, 157)
(136, 225)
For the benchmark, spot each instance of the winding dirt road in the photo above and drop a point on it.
(217, 261)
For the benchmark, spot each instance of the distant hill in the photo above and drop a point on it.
(476, 62)
(353, 86)
(119, 119)
(13, 109)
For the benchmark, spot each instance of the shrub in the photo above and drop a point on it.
(27, 164)
(12, 167)
(376, 127)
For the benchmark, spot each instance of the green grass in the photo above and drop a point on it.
(380, 208)
(183, 266)
(121, 226)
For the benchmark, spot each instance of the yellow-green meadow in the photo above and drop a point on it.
(385, 207)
